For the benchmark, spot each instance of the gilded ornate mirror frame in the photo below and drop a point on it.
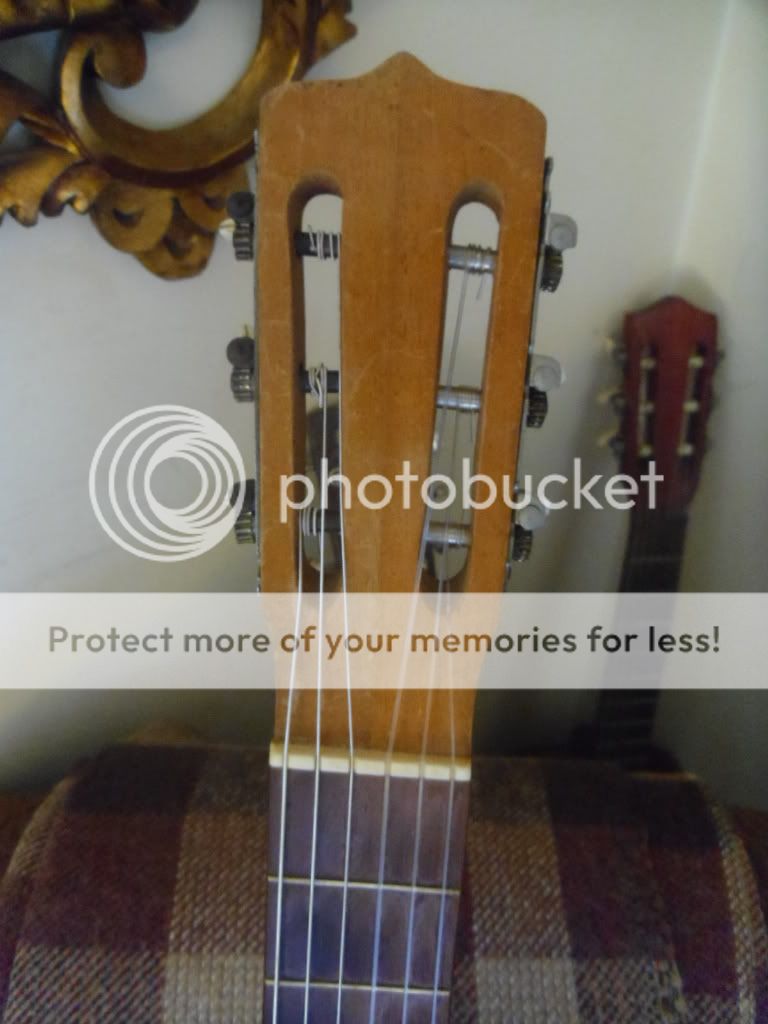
(159, 195)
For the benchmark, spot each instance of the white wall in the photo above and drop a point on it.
(723, 263)
(631, 92)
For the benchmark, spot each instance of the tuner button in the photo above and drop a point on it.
(618, 402)
(532, 516)
(245, 524)
(538, 407)
(522, 544)
(241, 206)
(552, 271)
(562, 232)
(241, 353)
(546, 373)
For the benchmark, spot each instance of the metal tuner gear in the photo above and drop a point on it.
(552, 271)
(241, 207)
(522, 544)
(245, 524)
(241, 353)
(538, 407)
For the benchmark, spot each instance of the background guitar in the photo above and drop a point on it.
(668, 354)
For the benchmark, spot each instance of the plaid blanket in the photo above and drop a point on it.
(136, 896)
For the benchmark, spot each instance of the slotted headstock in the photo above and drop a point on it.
(669, 352)
(404, 150)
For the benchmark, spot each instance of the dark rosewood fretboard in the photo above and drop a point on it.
(405, 971)
(652, 563)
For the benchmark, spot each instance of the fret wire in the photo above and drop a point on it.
(357, 986)
(339, 883)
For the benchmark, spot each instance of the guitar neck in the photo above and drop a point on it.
(376, 918)
(652, 563)
(654, 552)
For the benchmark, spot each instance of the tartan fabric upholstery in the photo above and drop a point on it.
(15, 811)
(136, 895)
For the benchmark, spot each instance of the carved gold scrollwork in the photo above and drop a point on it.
(158, 194)
(18, 17)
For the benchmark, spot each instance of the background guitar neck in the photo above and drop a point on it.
(654, 553)
(669, 355)
(653, 560)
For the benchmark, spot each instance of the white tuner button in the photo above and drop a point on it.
(546, 373)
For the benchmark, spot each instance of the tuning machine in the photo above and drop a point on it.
(241, 353)
(245, 524)
(616, 350)
(613, 441)
(520, 547)
(617, 400)
(537, 409)
(242, 356)
(528, 519)
(561, 234)
(545, 375)
(241, 207)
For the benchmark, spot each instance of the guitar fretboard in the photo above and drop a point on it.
(652, 563)
(654, 554)
(414, 913)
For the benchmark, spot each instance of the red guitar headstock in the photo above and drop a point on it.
(670, 354)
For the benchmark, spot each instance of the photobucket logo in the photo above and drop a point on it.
(474, 490)
(120, 483)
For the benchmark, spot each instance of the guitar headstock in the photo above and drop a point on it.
(405, 152)
(669, 356)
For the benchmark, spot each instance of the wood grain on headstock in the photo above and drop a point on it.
(404, 150)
